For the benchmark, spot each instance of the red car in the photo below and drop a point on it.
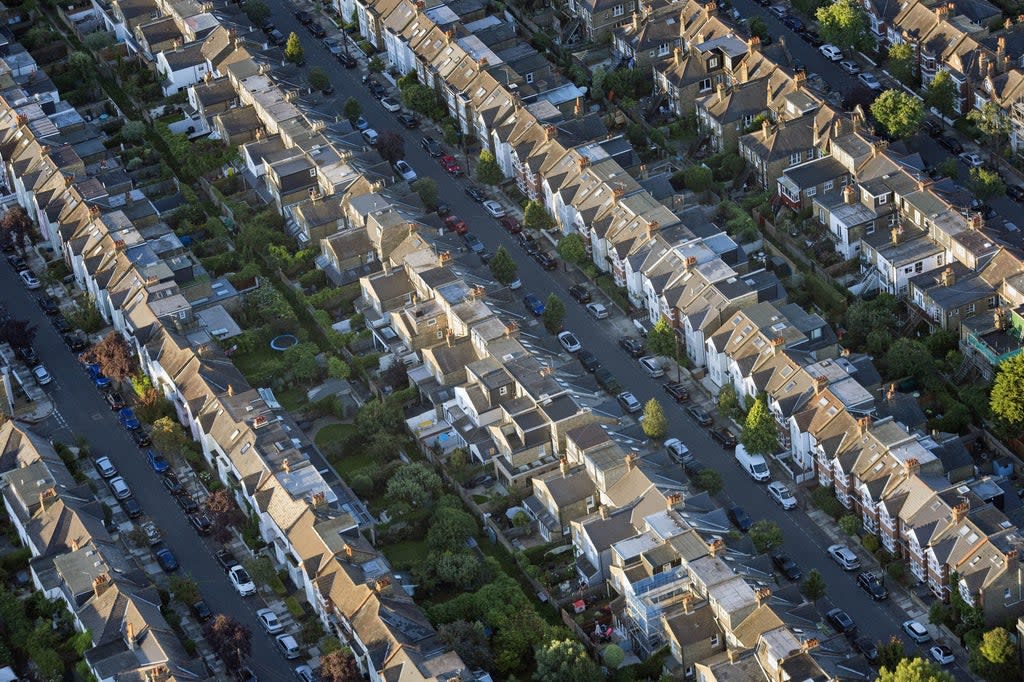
(456, 224)
(449, 163)
(511, 224)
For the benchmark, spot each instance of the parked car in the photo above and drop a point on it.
(916, 631)
(408, 121)
(528, 243)
(98, 378)
(76, 343)
(545, 260)
(172, 484)
(29, 279)
(431, 146)
(693, 467)
(494, 208)
(361, 124)
(475, 193)
(276, 38)
(951, 144)
(650, 365)
(131, 507)
(304, 673)
(534, 304)
(152, 532)
(629, 402)
(1015, 192)
(241, 581)
(126, 417)
(588, 360)
(870, 583)
(511, 224)
(597, 311)
(60, 324)
(677, 391)
(831, 52)
(780, 492)
(450, 165)
(17, 262)
(607, 381)
(849, 66)
(844, 556)
(579, 293)
(187, 503)
(114, 399)
(390, 104)
(787, 566)
(167, 561)
(698, 413)
(157, 462)
(754, 464)
(317, 30)
(869, 80)
(723, 437)
(268, 619)
(677, 450)
(225, 559)
(405, 171)
(740, 518)
(931, 127)
(141, 438)
(375, 88)
(456, 224)
(201, 522)
(481, 481)
(971, 159)
(841, 621)
(105, 467)
(120, 488)
(201, 611)
(288, 646)
(370, 136)
(941, 654)
(42, 376)
(304, 17)
(635, 347)
(48, 304)
(867, 647)
(347, 60)
(569, 342)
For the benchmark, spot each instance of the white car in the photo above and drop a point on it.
(288, 646)
(597, 310)
(869, 80)
(515, 284)
(106, 467)
(677, 450)
(781, 493)
(268, 619)
(494, 208)
(241, 581)
(152, 532)
(390, 104)
(831, 52)
(569, 342)
(650, 364)
(406, 171)
(120, 488)
(916, 631)
(849, 66)
(29, 279)
(42, 376)
(305, 674)
(629, 402)
(942, 654)
(844, 556)
(970, 158)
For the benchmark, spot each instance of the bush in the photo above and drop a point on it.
(294, 607)
(824, 499)
(871, 543)
(896, 571)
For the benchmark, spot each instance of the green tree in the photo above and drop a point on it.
(901, 64)
(760, 434)
(536, 217)
(949, 167)
(318, 79)
(256, 10)
(992, 123)
(698, 178)
(185, 589)
(864, 317)
(460, 569)
(1007, 398)
(98, 40)
(913, 670)
(909, 357)
(986, 184)
(469, 640)
(414, 484)
(572, 249)
(338, 368)
(375, 417)
(728, 404)
(168, 436)
(941, 94)
(995, 658)
(554, 313)
(134, 131)
(654, 424)
(375, 65)
(709, 480)
(813, 587)
(844, 23)
(565, 660)
(301, 359)
(427, 189)
(661, 340)
(613, 656)
(899, 113)
(352, 109)
(849, 523)
(759, 28)
(890, 653)
(487, 170)
(450, 527)
(423, 100)
(293, 49)
(765, 535)
(503, 267)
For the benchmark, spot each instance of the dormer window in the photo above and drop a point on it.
(714, 62)
(618, 11)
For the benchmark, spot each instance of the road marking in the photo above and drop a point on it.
(96, 416)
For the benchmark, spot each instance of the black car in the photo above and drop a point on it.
(787, 566)
(677, 390)
(792, 23)
(528, 243)
(588, 360)
(60, 324)
(317, 30)
(28, 354)
(48, 304)
(172, 484)
(475, 193)
(376, 88)
(480, 481)
(431, 146)
(347, 60)
(187, 503)
(870, 583)
(408, 120)
(607, 380)
(580, 293)
(1015, 192)
(267, 27)
(693, 466)
(131, 507)
(114, 399)
(867, 647)
(328, 91)
(740, 518)
(951, 144)
(635, 347)
(545, 260)
(201, 611)
(17, 262)
(275, 37)
(841, 621)
(723, 437)
(698, 413)
(225, 559)
(76, 343)
(304, 17)
(201, 522)
(141, 438)
(931, 127)
(443, 209)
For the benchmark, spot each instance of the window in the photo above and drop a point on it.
(892, 219)
(919, 266)
(821, 216)
(618, 11)
(993, 301)
(714, 639)
(970, 309)
(940, 259)
(503, 390)
(748, 120)
(794, 159)
(883, 200)
(439, 333)
(529, 77)
(828, 185)
(312, 172)
(663, 49)
(714, 62)
(811, 192)
(705, 85)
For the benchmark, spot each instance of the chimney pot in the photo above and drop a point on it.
(563, 464)
(960, 511)
(603, 511)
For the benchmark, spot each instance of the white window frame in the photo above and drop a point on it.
(618, 10)
(828, 185)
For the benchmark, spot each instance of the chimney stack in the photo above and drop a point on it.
(849, 194)
(550, 132)
(687, 602)
(47, 497)
(766, 124)
(630, 461)
(285, 465)
(912, 466)
(130, 634)
(563, 464)
(1001, 53)
(677, 55)
(100, 584)
(672, 499)
(716, 547)
(820, 384)
(863, 424)
(603, 511)
(763, 595)
(652, 227)
(948, 278)
(960, 511)
(808, 644)
(895, 234)
(754, 44)
(720, 90)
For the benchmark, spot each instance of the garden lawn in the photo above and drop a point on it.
(251, 362)
(404, 555)
(347, 462)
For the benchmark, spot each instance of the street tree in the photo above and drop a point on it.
(503, 267)
(114, 356)
(993, 124)
(565, 660)
(661, 340)
(17, 227)
(427, 189)
(898, 112)
(554, 313)
(536, 217)
(909, 357)
(339, 666)
(765, 535)
(375, 65)
(469, 640)
(995, 658)
(390, 146)
(850, 524)
(913, 670)
(224, 512)
(891, 653)
(941, 94)
(293, 51)
(654, 424)
(169, 437)
(231, 640)
(352, 109)
(728, 404)
(760, 434)
(487, 170)
(414, 484)
(845, 24)
(813, 587)
(901, 64)
(572, 249)
(185, 589)
(709, 480)
(257, 11)
(759, 28)
(18, 333)
(318, 79)
(986, 184)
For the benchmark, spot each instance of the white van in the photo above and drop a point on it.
(753, 465)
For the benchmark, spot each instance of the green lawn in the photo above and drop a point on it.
(403, 555)
(347, 462)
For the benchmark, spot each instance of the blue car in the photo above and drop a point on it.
(97, 376)
(166, 559)
(157, 461)
(127, 418)
(534, 304)
(362, 123)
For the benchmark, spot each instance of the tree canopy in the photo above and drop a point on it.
(992, 122)
(487, 170)
(231, 640)
(845, 24)
(985, 183)
(572, 249)
(941, 94)
(765, 535)
(813, 587)
(914, 670)
(654, 424)
(899, 113)
(1007, 398)
(293, 51)
(427, 189)
(17, 227)
(760, 434)
(352, 109)
(114, 356)
(901, 63)
(661, 340)
(318, 79)
(339, 666)
(536, 217)
(909, 357)
(414, 484)
(554, 313)
(390, 146)
(565, 660)
(502, 266)
(995, 657)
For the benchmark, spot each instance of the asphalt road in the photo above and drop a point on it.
(83, 412)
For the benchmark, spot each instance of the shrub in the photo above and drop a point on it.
(824, 499)
(871, 543)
